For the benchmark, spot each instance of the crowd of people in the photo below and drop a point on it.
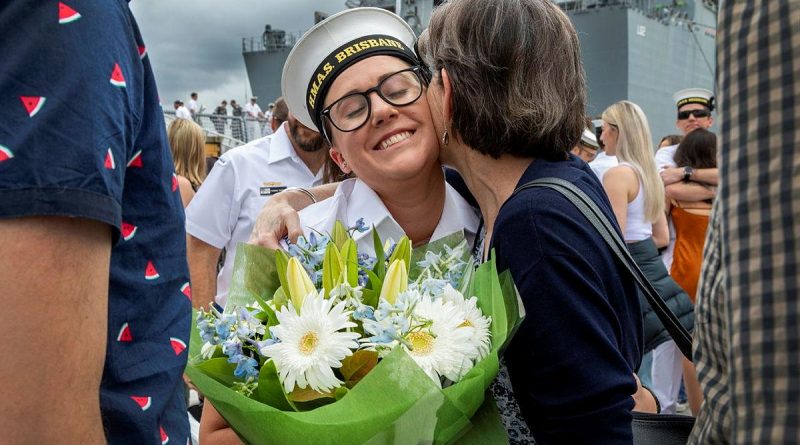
(393, 134)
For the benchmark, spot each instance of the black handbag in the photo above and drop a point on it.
(648, 429)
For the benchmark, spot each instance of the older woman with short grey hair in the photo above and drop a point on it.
(508, 100)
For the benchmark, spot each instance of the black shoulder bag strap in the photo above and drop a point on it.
(596, 217)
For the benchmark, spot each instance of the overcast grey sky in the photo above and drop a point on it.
(196, 45)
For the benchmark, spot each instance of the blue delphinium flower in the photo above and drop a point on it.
(446, 265)
(365, 262)
(260, 345)
(359, 226)
(431, 260)
(390, 322)
(233, 349)
(364, 312)
(225, 326)
(246, 367)
(207, 327)
(433, 286)
(246, 324)
(311, 252)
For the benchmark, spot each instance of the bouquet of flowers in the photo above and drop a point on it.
(331, 345)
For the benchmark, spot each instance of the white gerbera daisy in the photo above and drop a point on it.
(311, 343)
(443, 348)
(472, 317)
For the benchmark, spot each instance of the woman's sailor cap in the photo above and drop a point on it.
(331, 46)
(589, 138)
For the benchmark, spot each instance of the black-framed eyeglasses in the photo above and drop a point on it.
(682, 115)
(352, 111)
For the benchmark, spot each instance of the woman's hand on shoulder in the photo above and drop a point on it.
(276, 220)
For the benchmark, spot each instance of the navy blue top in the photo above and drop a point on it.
(82, 134)
(572, 361)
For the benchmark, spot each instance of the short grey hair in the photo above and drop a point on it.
(518, 81)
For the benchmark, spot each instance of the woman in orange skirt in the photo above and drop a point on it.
(690, 219)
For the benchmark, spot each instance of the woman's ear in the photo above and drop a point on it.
(339, 160)
(447, 96)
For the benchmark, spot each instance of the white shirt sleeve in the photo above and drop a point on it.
(213, 212)
(665, 157)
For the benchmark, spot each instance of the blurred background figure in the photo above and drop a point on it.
(670, 140)
(219, 122)
(252, 115)
(187, 142)
(279, 114)
(266, 121)
(181, 112)
(193, 107)
(237, 132)
(587, 147)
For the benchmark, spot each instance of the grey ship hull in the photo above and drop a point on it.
(264, 70)
(627, 55)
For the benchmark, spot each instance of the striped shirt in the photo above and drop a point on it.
(747, 343)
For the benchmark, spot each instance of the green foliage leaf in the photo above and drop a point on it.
(254, 275)
(380, 264)
(220, 370)
(402, 251)
(350, 258)
(370, 298)
(357, 366)
(195, 342)
(282, 263)
(331, 268)
(339, 235)
(279, 298)
(308, 394)
(374, 285)
(271, 318)
(270, 389)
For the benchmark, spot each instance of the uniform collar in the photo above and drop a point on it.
(457, 214)
(281, 147)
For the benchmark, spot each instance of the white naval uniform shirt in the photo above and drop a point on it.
(602, 163)
(226, 206)
(354, 199)
(665, 158)
(182, 113)
(252, 110)
(192, 106)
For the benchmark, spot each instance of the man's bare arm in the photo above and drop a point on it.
(708, 176)
(279, 217)
(203, 259)
(690, 191)
(674, 175)
(54, 291)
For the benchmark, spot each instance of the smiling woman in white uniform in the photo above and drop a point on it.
(356, 78)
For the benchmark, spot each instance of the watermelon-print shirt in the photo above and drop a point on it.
(82, 134)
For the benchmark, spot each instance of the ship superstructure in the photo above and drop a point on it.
(640, 50)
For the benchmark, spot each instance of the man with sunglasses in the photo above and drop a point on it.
(694, 111)
(685, 183)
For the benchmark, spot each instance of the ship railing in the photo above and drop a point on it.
(275, 40)
(668, 12)
(229, 131)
